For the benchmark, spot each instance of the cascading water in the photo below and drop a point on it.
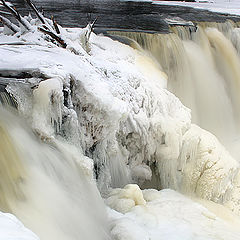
(46, 185)
(202, 65)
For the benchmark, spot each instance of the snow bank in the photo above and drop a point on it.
(170, 215)
(12, 229)
(207, 168)
(123, 200)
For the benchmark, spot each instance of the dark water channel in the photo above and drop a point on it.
(119, 15)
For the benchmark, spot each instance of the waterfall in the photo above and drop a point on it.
(95, 124)
(47, 185)
(202, 66)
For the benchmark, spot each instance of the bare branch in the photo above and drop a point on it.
(10, 25)
(46, 28)
(39, 15)
(54, 36)
(7, 13)
(55, 25)
(12, 10)
(16, 14)
(91, 25)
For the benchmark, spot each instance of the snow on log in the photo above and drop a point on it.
(10, 25)
(16, 14)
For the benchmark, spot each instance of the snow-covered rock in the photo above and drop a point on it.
(170, 215)
(114, 110)
(221, 6)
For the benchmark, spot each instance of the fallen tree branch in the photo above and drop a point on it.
(55, 25)
(54, 36)
(39, 15)
(16, 14)
(10, 25)
(46, 28)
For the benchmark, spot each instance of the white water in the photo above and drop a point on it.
(45, 186)
(203, 71)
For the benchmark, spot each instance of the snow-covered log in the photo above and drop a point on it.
(8, 24)
(16, 14)
(48, 27)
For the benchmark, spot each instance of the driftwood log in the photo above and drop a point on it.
(49, 28)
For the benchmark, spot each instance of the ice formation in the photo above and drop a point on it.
(207, 168)
(167, 214)
(105, 108)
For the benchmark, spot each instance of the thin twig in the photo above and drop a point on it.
(7, 13)
(91, 28)
(54, 36)
(39, 15)
(93, 23)
(55, 25)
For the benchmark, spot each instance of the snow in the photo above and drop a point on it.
(12, 229)
(127, 101)
(222, 6)
(170, 215)
(207, 168)
(47, 91)
(123, 200)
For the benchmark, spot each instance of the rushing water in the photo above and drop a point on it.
(203, 71)
(44, 186)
